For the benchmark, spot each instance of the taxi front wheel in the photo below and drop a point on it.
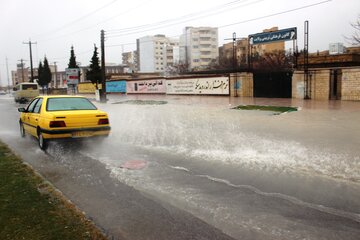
(22, 129)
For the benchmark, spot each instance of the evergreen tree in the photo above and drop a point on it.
(94, 73)
(72, 61)
(44, 74)
(47, 72)
(40, 70)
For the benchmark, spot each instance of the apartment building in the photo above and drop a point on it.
(242, 50)
(156, 53)
(199, 47)
(130, 60)
(226, 53)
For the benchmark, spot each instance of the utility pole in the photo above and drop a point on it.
(234, 61)
(7, 72)
(55, 75)
(22, 70)
(307, 83)
(31, 64)
(103, 77)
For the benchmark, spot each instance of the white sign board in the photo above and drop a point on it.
(72, 76)
(201, 86)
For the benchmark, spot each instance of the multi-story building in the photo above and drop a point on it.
(242, 50)
(199, 47)
(22, 74)
(226, 53)
(130, 60)
(156, 53)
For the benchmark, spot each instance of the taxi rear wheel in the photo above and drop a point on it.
(42, 141)
(22, 130)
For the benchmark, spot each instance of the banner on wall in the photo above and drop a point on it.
(86, 87)
(116, 86)
(146, 86)
(201, 86)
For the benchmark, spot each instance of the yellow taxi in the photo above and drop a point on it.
(62, 117)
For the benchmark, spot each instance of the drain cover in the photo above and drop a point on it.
(134, 164)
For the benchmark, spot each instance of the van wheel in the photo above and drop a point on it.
(42, 141)
(22, 130)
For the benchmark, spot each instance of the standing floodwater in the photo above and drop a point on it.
(252, 174)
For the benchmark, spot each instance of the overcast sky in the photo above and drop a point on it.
(56, 25)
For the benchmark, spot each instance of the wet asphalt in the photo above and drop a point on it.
(120, 211)
(123, 212)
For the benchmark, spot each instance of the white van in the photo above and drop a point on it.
(26, 91)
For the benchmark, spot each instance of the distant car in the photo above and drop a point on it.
(62, 117)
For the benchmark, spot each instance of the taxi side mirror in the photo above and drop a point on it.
(21, 109)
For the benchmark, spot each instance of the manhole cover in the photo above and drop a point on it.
(134, 164)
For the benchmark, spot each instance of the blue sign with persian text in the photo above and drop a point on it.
(116, 86)
(268, 37)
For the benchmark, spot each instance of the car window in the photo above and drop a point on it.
(29, 86)
(31, 106)
(38, 106)
(69, 103)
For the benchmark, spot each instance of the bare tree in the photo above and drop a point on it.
(275, 60)
(355, 38)
(179, 68)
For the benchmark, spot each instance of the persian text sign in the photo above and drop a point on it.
(72, 75)
(267, 37)
(205, 86)
(116, 86)
(146, 86)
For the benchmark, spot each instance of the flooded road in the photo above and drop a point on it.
(250, 174)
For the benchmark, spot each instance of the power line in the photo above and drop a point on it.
(209, 14)
(78, 19)
(275, 14)
(236, 23)
(94, 25)
(227, 25)
(227, 5)
(186, 18)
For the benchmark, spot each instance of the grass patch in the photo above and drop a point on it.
(142, 102)
(276, 109)
(31, 209)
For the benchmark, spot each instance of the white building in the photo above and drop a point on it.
(336, 48)
(199, 47)
(156, 53)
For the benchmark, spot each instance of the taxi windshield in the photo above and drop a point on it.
(67, 104)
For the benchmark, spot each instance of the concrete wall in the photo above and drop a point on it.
(350, 84)
(244, 86)
(320, 84)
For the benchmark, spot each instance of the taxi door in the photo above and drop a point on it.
(34, 116)
(26, 116)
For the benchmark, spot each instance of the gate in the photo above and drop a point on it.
(272, 84)
(335, 84)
